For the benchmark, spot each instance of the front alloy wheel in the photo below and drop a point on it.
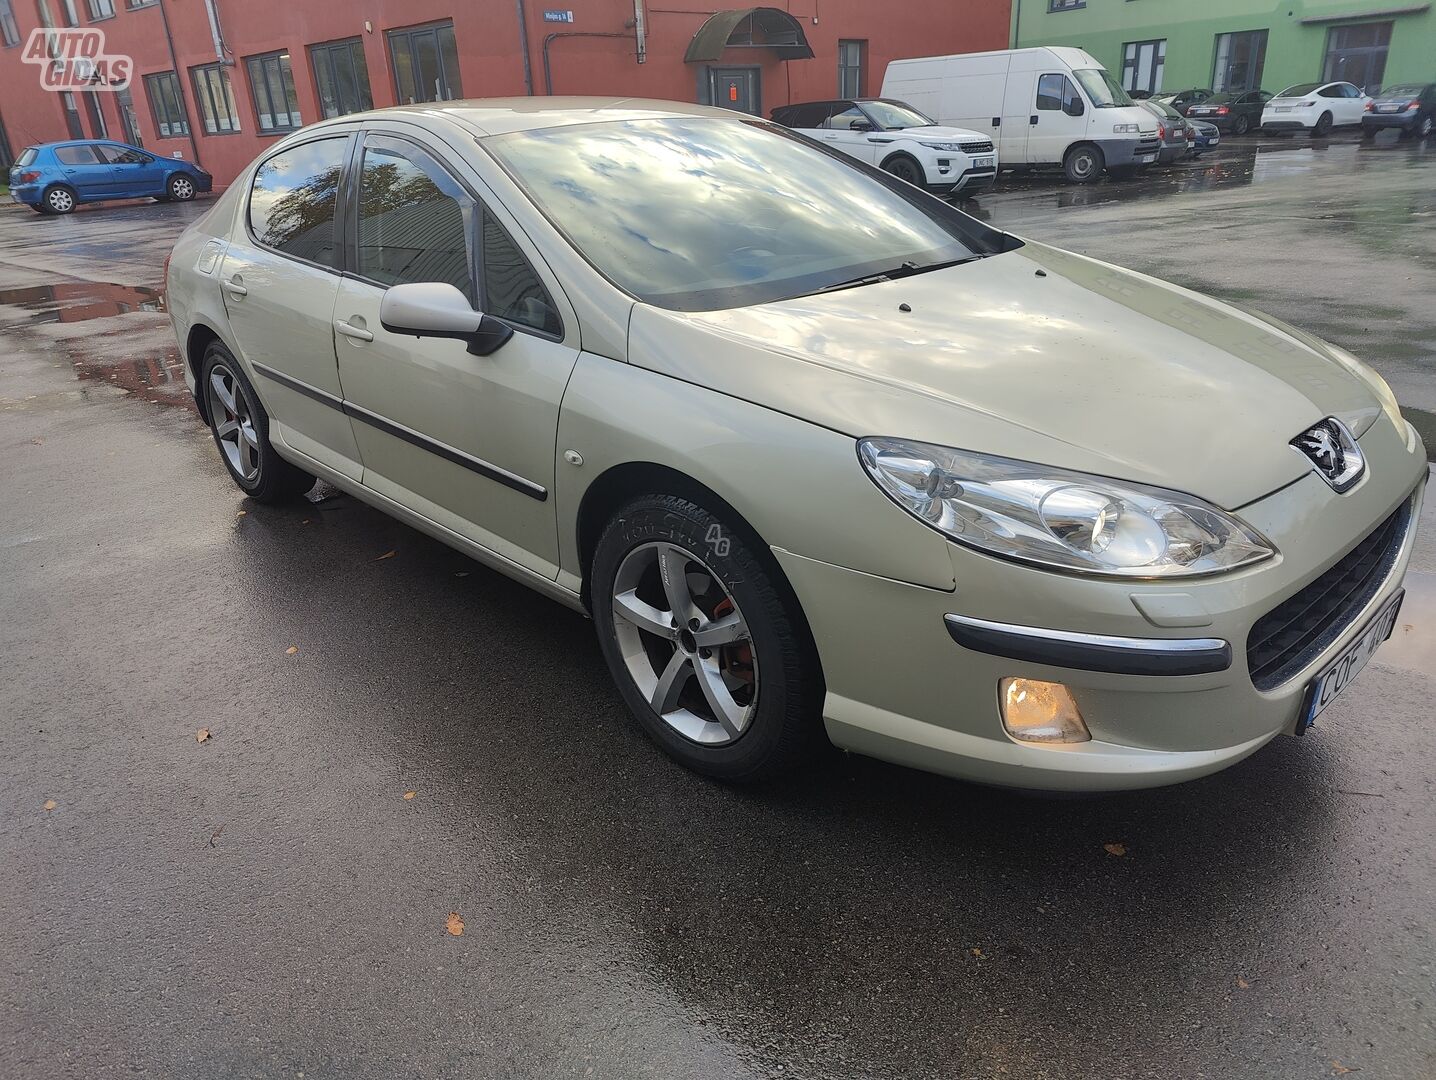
(181, 188)
(685, 643)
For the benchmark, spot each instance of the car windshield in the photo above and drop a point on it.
(895, 114)
(1403, 91)
(27, 155)
(1104, 91)
(1300, 89)
(697, 214)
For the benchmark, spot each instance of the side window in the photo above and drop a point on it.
(844, 119)
(1331, 91)
(1051, 89)
(123, 155)
(292, 199)
(805, 116)
(512, 289)
(76, 155)
(413, 218)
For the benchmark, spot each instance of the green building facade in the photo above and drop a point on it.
(1235, 45)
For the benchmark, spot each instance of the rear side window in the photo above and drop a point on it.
(413, 218)
(804, 116)
(76, 155)
(512, 289)
(292, 200)
(27, 155)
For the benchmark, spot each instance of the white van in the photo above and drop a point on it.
(1043, 107)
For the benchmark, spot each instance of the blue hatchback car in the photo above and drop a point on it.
(54, 178)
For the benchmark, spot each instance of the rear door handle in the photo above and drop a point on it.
(352, 331)
(1032, 119)
(236, 288)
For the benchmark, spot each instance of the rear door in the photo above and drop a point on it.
(466, 441)
(85, 170)
(279, 279)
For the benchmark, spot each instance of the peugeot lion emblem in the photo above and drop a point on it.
(1333, 452)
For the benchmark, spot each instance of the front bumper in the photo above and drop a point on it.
(203, 181)
(1124, 153)
(900, 688)
(973, 181)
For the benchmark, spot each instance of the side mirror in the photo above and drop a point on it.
(1073, 107)
(437, 309)
(863, 125)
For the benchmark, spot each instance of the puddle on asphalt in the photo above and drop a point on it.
(142, 361)
(1412, 644)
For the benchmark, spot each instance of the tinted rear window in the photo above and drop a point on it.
(27, 155)
(76, 155)
(1299, 89)
(291, 202)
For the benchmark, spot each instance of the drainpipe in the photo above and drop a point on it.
(524, 48)
(548, 71)
(179, 83)
(216, 33)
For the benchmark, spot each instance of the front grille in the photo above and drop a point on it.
(1287, 638)
(975, 147)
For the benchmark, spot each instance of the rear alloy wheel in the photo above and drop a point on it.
(905, 168)
(181, 188)
(705, 645)
(1083, 164)
(1322, 127)
(59, 200)
(1240, 125)
(241, 431)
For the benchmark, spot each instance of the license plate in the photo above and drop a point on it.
(1327, 686)
(1146, 159)
(1284, 108)
(982, 163)
(1389, 108)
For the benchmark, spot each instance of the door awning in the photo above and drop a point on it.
(749, 28)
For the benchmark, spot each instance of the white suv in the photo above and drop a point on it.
(898, 138)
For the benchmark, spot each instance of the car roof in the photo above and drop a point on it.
(499, 116)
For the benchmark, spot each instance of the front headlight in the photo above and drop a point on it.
(1059, 519)
(946, 147)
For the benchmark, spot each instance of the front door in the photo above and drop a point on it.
(736, 88)
(466, 441)
(1050, 128)
(860, 142)
(279, 290)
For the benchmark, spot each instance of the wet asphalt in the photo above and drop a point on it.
(395, 738)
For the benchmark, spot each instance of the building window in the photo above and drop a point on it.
(133, 4)
(9, 29)
(1142, 63)
(1065, 5)
(101, 9)
(126, 102)
(1357, 54)
(1239, 63)
(850, 68)
(167, 104)
(342, 76)
(426, 64)
(215, 99)
(275, 101)
(72, 115)
(97, 117)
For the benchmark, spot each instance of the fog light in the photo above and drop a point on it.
(1041, 712)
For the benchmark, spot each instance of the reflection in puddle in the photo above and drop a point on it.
(136, 355)
(1412, 644)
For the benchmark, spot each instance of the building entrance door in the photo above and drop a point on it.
(736, 88)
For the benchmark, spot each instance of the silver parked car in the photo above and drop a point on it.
(817, 451)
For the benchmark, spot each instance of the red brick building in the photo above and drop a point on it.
(219, 79)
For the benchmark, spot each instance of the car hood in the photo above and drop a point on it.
(941, 133)
(1037, 354)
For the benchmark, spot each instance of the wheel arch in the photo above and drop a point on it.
(201, 333)
(907, 155)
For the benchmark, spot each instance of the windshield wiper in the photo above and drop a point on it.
(906, 269)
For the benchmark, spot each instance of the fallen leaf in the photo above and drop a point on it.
(50, 804)
(242, 513)
(291, 650)
(1338, 1069)
(408, 795)
(304, 522)
(1116, 849)
(1242, 984)
(977, 952)
(38, 441)
(455, 925)
(215, 835)
(462, 573)
(201, 735)
(386, 555)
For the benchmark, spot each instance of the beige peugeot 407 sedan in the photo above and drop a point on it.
(817, 451)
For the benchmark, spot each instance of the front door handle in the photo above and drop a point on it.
(236, 288)
(349, 330)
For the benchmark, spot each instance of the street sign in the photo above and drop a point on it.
(558, 16)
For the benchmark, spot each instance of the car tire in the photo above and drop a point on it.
(58, 199)
(740, 712)
(240, 427)
(1241, 125)
(1426, 127)
(180, 187)
(1322, 127)
(1083, 164)
(905, 168)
